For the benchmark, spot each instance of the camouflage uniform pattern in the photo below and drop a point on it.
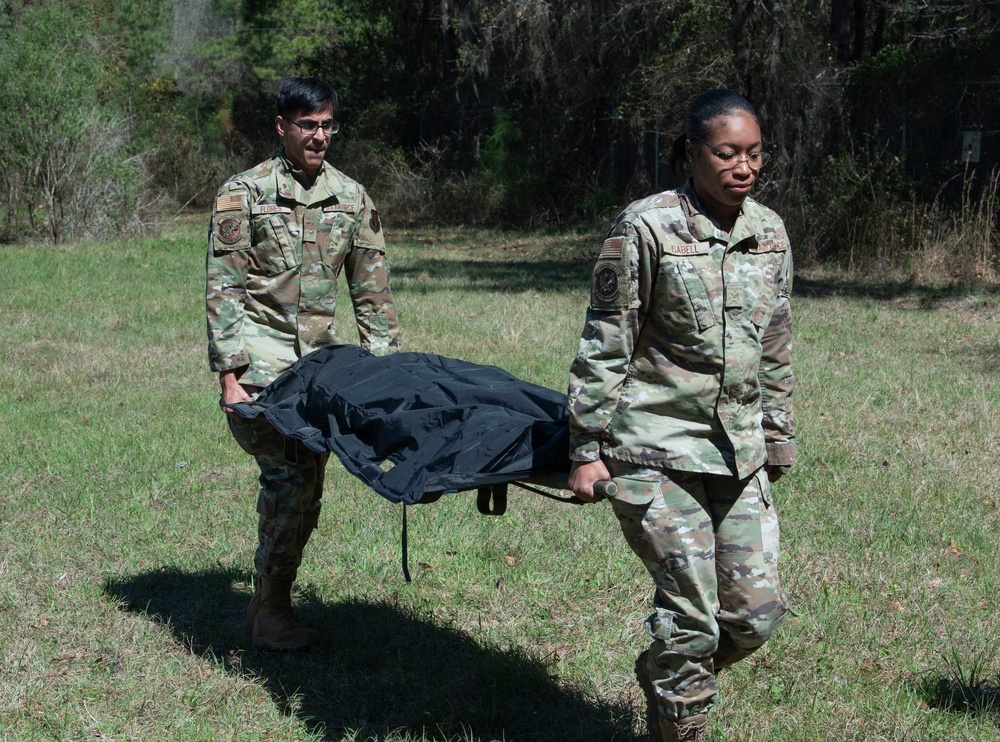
(291, 488)
(710, 544)
(275, 251)
(686, 353)
(682, 386)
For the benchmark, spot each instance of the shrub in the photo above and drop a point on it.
(69, 165)
(868, 218)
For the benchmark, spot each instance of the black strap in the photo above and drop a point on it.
(492, 499)
(572, 499)
(406, 568)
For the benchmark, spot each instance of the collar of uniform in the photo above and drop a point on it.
(703, 227)
(745, 227)
(290, 179)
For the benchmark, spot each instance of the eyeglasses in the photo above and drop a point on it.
(756, 160)
(309, 126)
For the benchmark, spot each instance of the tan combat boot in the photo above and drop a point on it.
(689, 729)
(270, 620)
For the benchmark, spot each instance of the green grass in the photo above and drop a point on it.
(127, 525)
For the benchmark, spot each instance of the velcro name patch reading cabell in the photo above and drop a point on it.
(693, 248)
(609, 289)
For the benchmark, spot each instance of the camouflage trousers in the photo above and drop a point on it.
(711, 545)
(291, 487)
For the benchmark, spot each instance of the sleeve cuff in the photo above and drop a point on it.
(229, 361)
(781, 454)
(584, 450)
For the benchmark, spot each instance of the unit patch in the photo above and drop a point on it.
(229, 229)
(607, 283)
(609, 289)
(374, 223)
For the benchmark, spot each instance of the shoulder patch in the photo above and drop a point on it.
(613, 248)
(229, 229)
(231, 202)
(370, 232)
(609, 287)
(607, 283)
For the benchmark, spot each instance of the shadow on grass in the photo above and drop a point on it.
(380, 670)
(928, 297)
(572, 272)
(972, 696)
(498, 276)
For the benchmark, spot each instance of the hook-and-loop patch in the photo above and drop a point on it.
(609, 289)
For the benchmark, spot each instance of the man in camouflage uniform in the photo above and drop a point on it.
(281, 233)
(681, 391)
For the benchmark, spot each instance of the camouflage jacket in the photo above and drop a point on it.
(685, 359)
(275, 251)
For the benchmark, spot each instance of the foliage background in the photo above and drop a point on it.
(512, 112)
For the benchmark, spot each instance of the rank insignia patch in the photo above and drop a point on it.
(229, 229)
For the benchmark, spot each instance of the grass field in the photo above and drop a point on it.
(127, 524)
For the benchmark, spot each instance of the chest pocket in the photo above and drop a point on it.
(335, 230)
(682, 296)
(762, 279)
(276, 246)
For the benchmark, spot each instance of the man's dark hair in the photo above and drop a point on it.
(704, 108)
(304, 95)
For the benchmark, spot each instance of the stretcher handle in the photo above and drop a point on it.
(492, 499)
(605, 488)
(560, 481)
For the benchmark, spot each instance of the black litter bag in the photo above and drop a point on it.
(413, 426)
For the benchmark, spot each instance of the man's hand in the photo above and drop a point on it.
(232, 392)
(583, 475)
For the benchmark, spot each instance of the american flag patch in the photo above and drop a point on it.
(229, 203)
(614, 248)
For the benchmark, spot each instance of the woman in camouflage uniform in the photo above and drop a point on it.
(681, 392)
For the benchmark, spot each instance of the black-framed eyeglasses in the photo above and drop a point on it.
(309, 126)
(756, 160)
